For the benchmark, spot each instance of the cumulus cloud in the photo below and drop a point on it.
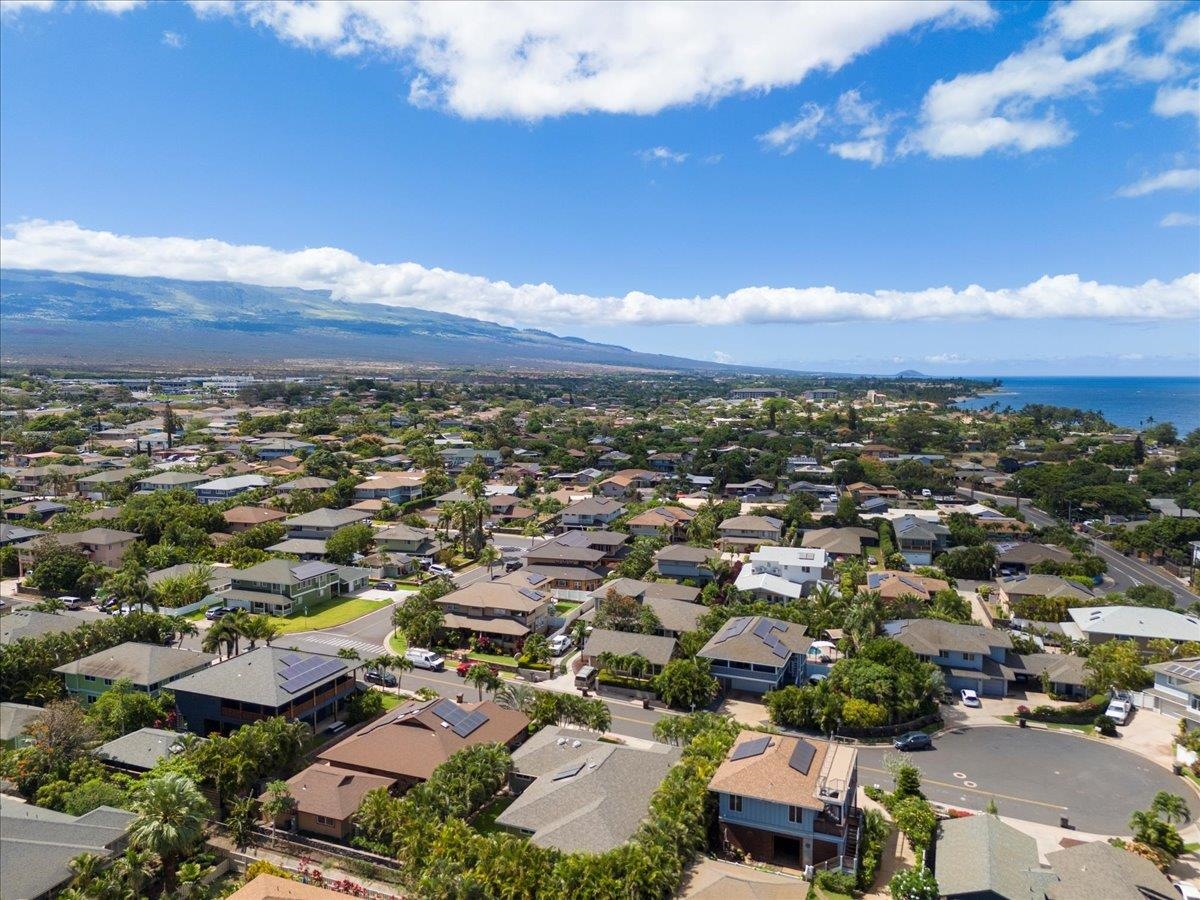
(535, 60)
(66, 247)
(860, 131)
(10, 9)
(1083, 47)
(1179, 220)
(172, 39)
(722, 357)
(1178, 101)
(664, 155)
(787, 136)
(1170, 180)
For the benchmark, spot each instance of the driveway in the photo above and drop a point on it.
(1035, 775)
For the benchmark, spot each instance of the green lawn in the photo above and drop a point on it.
(564, 607)
(391, 701)
(485, 822)
(493, 658)
(397, 642)
(328, 613)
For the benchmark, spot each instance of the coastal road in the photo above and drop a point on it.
(1125, 571)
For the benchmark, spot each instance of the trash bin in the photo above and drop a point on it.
(646, 705)
(1021, 722)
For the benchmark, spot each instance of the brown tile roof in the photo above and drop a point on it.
(272, 887)
(251, 515)
(323, 790)
(768, 775)
(411, 740)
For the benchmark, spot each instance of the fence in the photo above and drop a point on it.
(303, 845)
(887, 731)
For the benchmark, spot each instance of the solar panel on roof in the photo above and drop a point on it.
(530, 594)
(468, 725)
(299, 668)
(568, 771)
(756, 747)
(733, 628)
(780, 626)
(763, 628)
(290, 659)
(449, 712)
(802, 756)
(780, 650)
(535, 578)
(314, 675)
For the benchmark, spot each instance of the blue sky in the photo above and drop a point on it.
(992, 146)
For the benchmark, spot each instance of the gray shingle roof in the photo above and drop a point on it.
(253, 677)
(143, 664)
(141, 749)
(980, 854)
(327, 518)
(655, 649)
(930, 636)
(746, 646)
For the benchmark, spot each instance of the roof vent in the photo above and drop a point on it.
(562, 742)
(576, 743)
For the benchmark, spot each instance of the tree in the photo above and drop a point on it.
(865, 618)
(1115, 664)
(489, 556)
(223, 633)
(171, 814)
(57, 568)
(342, 546)
(1170, 807)
(280, 804)
(914, 884)
(363, 706)
(482, 677)
(915, 817)
(255, 628)
(419, 617)
(686, 683)
(63, 731)
(122, 709)
(617, 612)
(536, 648)
(241, 819)
(969, 562)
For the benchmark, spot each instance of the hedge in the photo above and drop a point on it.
(1084, 713)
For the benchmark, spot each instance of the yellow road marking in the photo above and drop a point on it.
(959, 787)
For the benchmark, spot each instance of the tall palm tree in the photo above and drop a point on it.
(171, 815)
(865, 617)
(85, 868)
(482, 677)
(258, 628)
(489, 556)
(137, 868)
(182, 628)
(222, 633)
(514, 695)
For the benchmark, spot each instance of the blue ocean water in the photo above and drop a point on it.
(1131, 402)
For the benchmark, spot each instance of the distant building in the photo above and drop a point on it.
(754, 393)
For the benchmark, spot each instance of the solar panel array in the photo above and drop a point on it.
(535, 579)
(568, 771)
(802, 757)
(756, 747)
(1190, 671)
(765, 632)
(306, 673)
(531, 594)
(290, 659)
(470, 724)
(732, 628)
(311, 570)
(449, 712)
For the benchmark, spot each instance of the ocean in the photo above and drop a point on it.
(1131, 402)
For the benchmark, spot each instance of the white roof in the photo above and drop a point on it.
(773, 584)
(792, 556)
(1136, 621)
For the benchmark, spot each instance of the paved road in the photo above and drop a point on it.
(1124, 571)
(1035, 775)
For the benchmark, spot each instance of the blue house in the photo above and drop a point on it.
(789, 801)
(757, 654)
(684, 562)
(970, 656)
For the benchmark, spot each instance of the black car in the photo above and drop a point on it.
(512, 565)
(384, 586)
(913, 740)
(387, 679)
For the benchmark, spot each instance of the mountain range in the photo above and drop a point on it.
(85, 320)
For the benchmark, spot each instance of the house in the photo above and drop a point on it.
(585, 548)
(397, 487)
(757, 654)
(918, 540)
(327, 798)
(839, 543)
(29, 623)
(308, 549)
(106, 546)
(677, 606)
(456, 459)
(170, 480)
(892, 585)
(970, 656)
(37, 845)
(281, 587)
(744, 533)
(668, 463)
(506, 609)
(408, 540)
(320, 524)
(1176, 689)
(750, 393)
(35, 509)
(756, 487)
(277, 447)
(14, 718)
(148, 667)
(243, 518)
(685, 563)
(261, 683)
(982, 858)
(671, 521)
(656, 650)
(1098, 869)
(101, 485)
(304, 483)
(573, 583)
(17, 534)
(594, 512)
(141, 750)
(1018, 558)
(407, 743)
(221, 489)
(580, 795)
(789, 801)
(1020, 586)
(626, 482)
(1097, 624)
(782, 573)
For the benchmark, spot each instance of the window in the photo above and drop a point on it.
(735, 803)
(89, 677)
(968, 657)
(795, 815)
(324, 820)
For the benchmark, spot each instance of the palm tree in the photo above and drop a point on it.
(182, 628)
(489, 556)
(85, 869)
(482, 677)
(222, 633)
(189, 876)
(514, 695)
(279, 804)
(348, 653)
(1170, 807)
(171, 815)
(138, 867)
(865, 617)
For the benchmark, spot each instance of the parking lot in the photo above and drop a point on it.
(1035, 775)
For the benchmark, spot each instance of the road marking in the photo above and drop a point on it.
(958, 787)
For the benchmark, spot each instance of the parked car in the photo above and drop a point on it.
(560, 644)
(1119, 710)
(71, 602)
(970, 698)
(443, 571)
(913, 740)
(1187, 891)
(387, 679)
(425, 659)
(110, 606)
(512, 565)
(216, 612)
(384, 586)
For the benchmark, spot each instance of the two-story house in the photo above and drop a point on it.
(918, 540)
(148, 667)
(106, 546)
(789, 801)
(677, 607)
(281, 587)
(505, 609)
(686, 563)
(407, 540)
(662, 521)
(456, 459)
(397, 487)
(745, 533)
(1141, 624)
(782, 573)
(971, 656)
(669, 463)
(320, 524)
(757, 654)
(102, 485)
(592, 549)
(593, 512)
(170, 480)
(1176, 690)
(223, 488)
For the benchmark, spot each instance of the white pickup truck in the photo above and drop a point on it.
(1119, 710)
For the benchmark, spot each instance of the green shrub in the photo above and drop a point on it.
(1106, 726)
(914, 884)
(875, 832)
(837, 882)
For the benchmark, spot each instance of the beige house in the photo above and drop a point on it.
(105, 546)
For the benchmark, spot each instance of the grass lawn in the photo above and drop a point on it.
(328, 613)
(493, 658)
(820, 893)
(565, 607)
(391, 701)
(397, 642)
(485, 822)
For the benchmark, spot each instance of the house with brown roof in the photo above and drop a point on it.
(398, 487)
(839, 543)
(505, 609)
(327, 798)
(685, 562)
(106, 546)
(671, 521)
(656, 650)
(243, 518)
(593, 512)
(892, 585)
(789, 801)
(626, 482)
(407, 743)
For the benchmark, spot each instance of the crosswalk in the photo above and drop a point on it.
(328, 644)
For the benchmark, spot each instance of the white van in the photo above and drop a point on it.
(424, 659)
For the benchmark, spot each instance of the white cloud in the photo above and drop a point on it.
(1009, 108)
(663, 155)
(116, 7)
(535, 60)
(1178, 101)
(172, 39)
(946, 358)
(1179, 220)
(721, 357)
(1186, 35)
(10, 9)
(1171, 180)
(64, 246)
(786, 136)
